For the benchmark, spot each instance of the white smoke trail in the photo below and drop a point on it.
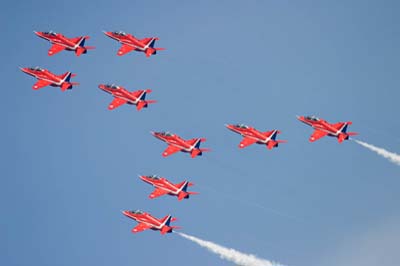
(391, 156)
(229, 254)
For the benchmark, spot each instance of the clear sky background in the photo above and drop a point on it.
(69, 165)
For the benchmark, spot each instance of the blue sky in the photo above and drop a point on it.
(70, 166)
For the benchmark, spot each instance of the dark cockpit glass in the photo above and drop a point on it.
(121, 33)
(241, 126)
(312, 117)
(36, 68)
(112, 86)
(50, 33)
(154, 177)
(137, 212)
(167, 134)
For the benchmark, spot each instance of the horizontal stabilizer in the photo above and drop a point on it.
(80, 50)
(183, 195)
(140, 105)
(195, 153)
(271, 144)
(65, 86)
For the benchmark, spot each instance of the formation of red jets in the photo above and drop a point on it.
(175, 143)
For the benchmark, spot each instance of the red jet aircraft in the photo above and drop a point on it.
(176, 143)
(122, 96)
(46, 78)
(163, 187)
(146, 221)
(323, 128)
(130, 43)
(252, 135)
(60, 43)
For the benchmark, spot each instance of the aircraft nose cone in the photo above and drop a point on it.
(24, 69)
(108, 33)
(38, 33)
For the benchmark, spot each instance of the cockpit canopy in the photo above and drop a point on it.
(167, 134)
(112, 86)
(121, 33)
(241, 126)
(36, 69)
(50, 33)
(154, 177)
(137, 212)
(312, 117)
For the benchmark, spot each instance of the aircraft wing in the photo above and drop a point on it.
(75, 40)
(158, 192)
(170, 150)
(246, 142)
(137, 93)
(339, 125)
(125, 49)
(117, 102)
(56, 48)
(317, 135)
(140, 227)
(146, 40)
(40, 84)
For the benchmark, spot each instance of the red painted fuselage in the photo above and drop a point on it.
(60, 42)
(123, 96)
(146, 221)
(164, 187)
(47, 78)
(131, 43)
(176, 143)
(251, 135)
(323, 128)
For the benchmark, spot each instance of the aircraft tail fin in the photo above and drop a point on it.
(67, 76)
(272, 133)
(167, 220)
